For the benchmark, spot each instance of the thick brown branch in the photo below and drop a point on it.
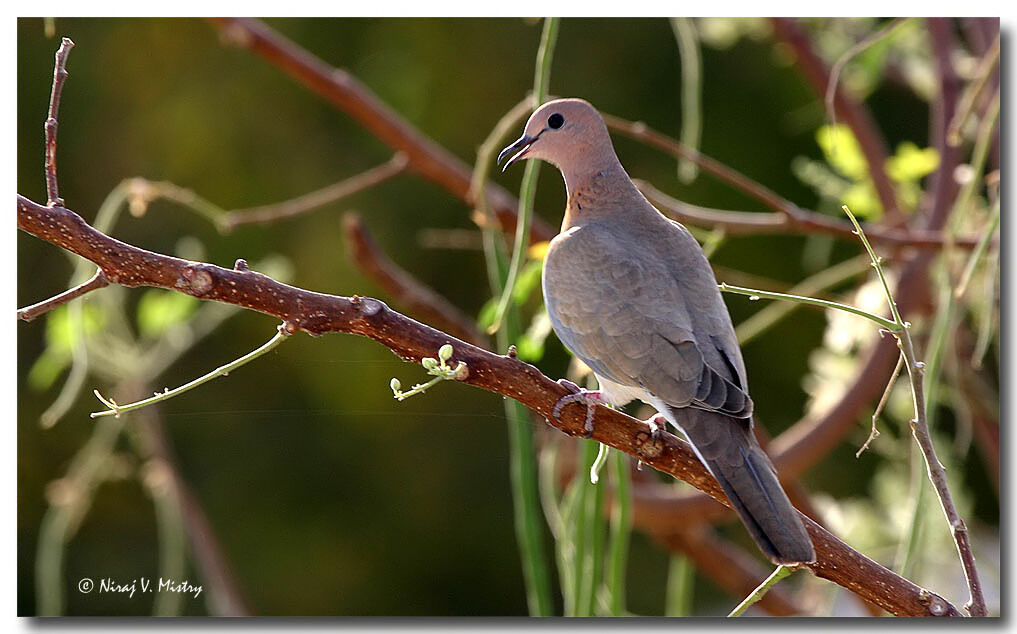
(417, 298)
(854, 114)
(31, 312)
(303, 204)
(318, 313)
(803, 222)
(346, 92)
(50, 127)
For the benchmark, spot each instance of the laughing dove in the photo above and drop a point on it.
(631, 293)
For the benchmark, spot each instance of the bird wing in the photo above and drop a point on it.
(622, 309)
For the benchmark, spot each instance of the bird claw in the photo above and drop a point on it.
(658, 425)
(590, 398)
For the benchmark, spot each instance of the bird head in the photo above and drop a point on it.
(558, 132)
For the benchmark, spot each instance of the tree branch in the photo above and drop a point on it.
(318, 313)
(404, 289)
(854, 114)
(791, 220)
(31, 312)
(353, 185)
(345, 91)
(50, 127)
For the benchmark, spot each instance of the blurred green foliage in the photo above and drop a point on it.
(326, 495)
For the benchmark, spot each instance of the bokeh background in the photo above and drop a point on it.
(326, 495)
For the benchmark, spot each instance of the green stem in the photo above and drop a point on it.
(877, 264)
(826, 279)
(172, 541)
(117, 410)
(583, 527)
(692, 66)
(597, 539)
(980, 249)
(680, 584)
(621, 530)
(761, 590)
(754, 293)
(528, 189)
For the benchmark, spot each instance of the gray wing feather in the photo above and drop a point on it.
(631, 318)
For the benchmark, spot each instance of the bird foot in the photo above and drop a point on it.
(590, 398)
(658, 425)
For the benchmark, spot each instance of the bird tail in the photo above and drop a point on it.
(729, 450)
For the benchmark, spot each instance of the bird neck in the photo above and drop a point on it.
(598, 189)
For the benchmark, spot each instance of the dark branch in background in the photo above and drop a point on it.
(402, 287)
(31, 312)
(224, 596)
(346, 92)
(727, 566)
(50, 127)
(318, 313)
(355, 184)
(944, 190)
(804, 222)
(854, 114)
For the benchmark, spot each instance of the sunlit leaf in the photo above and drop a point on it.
(910, 163)
(842, 151)
(158, 310)
(529, 279)
(530, 346)
(487, 313)
(862, 200)
(46, 369)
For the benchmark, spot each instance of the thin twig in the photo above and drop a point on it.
(874, 432)
(319, 313)
(728, 566)
(835, 70)
(755, 294)
(641, 132)
(967, 100)
(346, 92)
(405, 290)
(920, 430)
(976, 255)
(113, 409)
(779, 573)
(790, 219)
(50, 127)
(29, 313)
(812, 286)
(353, 185)
(854, 114)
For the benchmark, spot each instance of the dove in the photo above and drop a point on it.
(631, 293)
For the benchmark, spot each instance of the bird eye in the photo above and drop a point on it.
(555, 121)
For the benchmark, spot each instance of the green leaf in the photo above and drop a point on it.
(487, 313)
(528, 280)
(61, 338)
(842, 151)
(911, 164)
(530, 346)
(158, 310)
(861, 198)
(46, 369)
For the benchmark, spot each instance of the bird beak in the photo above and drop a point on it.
(519, 148)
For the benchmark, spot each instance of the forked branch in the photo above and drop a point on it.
(318, 313)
